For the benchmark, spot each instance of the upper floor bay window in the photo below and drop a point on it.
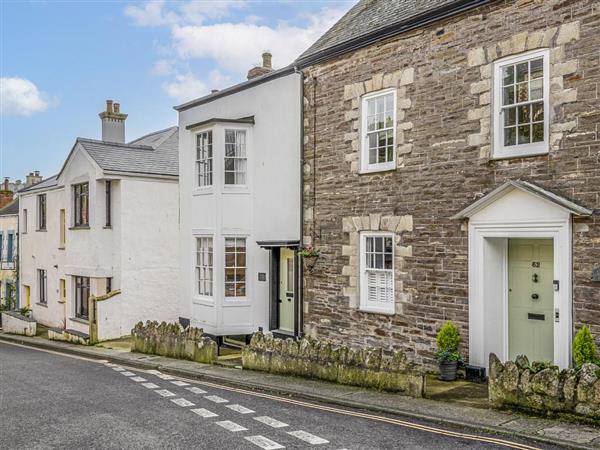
(235, 157)
(377, 272)
(378, 125)
(521, 106)
(204, 159)
(235, 267)
(41, 212)
(204, 266)
(81, 205)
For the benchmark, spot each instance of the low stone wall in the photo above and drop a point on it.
(15, 323)
(314, 359)
(72, 336)
(541, 388)
(172, 340)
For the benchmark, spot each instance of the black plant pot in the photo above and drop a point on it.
(448, 370)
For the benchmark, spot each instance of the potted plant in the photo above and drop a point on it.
(447, 354)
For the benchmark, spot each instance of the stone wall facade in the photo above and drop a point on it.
(172, 340)
(322, 360)
(443, 76)
(545, 389)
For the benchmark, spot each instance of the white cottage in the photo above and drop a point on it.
(106, 226)
(240, 152)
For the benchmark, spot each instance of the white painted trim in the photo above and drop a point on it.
(560, 232)
(363, 304)
(538, 148)
(365, 167)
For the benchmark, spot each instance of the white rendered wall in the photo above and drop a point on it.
(268, 209)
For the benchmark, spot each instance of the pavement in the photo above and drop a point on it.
(400, 422)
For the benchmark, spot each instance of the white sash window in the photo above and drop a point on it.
(377, 272)
(378, 124)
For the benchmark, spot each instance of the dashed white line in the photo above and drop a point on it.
(118, 369)
(239, 408)
(216, 399)
(307, 437)
(150, 385)
(154, 372)
(204, 413)
(128, 374)
(231, 426)
(196, 390)
(138, 379)
(271, 422)
(264, 443)
(164, 376)
(180, 383)
(182, 402)
(165, 393)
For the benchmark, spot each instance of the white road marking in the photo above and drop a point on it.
(239, 408)
(204, 412)
(118, 369)
(196, 390)
(128, 374)
(164, 376)
(154, 372)
(231, 426)
(150, 385)
(108, 364)
(165, 393)
(264, 443)
(180, 383)
(271, 422)
(307, 437)
(182, 402)
(138, 379)
(216, 399)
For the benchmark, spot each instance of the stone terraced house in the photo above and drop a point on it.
(105, 226)
(452, 171)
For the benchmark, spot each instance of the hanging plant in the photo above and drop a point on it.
(309, 252)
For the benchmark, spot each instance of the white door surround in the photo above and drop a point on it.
(516, 209)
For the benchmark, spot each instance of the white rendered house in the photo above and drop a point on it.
(106, 225)
(239, 175)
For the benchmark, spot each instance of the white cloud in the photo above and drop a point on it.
(185, 87)
(21, 97)
(154, 12)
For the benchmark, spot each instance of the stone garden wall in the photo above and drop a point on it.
(321, 360)
(172, 340)
(542, 388)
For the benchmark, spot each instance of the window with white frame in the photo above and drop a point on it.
(235, 157)
(521, 105)
(235, 267)
(378, 117)
(42, 286)
(204, 158)
(377, 272)
(41, 212)
(204, 266)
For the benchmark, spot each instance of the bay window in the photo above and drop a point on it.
(204, 159)
(204, 266)
(235, 157)
(235, 267)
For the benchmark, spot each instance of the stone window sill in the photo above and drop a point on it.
(80, 227)
(79, 320)
(45, 305)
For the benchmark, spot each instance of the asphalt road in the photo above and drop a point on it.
(54, 401)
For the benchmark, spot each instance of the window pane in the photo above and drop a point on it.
(369, 242)
(388, 261)
(371, 123)
(523, 115)
(241, 260)
(240, 290)
(379, 261)
(378, 244)
(537, 132)
(510, 116)
(370, 107)
(380, 105)
(373, 155)
(230, 289)
(537, 112)
(522, 72)
(508, 96)
(537, 68)
(230, 275)
(508, 75)
(381, 155)
(240, 275)
(510, 136)
(389, 103)
(524, 134)
(537, 89)
(522, 92)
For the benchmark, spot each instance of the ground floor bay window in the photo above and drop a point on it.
(82, 294)
(235, 267)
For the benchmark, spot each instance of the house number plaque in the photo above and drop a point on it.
(535, 264)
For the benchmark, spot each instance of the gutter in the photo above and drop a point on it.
(390, 31)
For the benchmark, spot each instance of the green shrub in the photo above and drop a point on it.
(584, 347)
(448, 340)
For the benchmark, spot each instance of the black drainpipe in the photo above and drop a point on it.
(300, 280)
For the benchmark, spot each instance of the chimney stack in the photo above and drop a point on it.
(113, 123)
(267, 66)
(6, 195)
(33, 178)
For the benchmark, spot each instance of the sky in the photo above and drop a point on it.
(61, 60)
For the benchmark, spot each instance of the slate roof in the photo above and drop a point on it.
(11, 209)
(370, 16)
(155, 154)
(44, 184)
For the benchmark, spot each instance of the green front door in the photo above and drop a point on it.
(531, 299)
(286, 290)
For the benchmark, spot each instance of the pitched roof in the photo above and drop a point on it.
(369, 18)
(525, 186)
(155, 153)
(11, 209)
(44, 184)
